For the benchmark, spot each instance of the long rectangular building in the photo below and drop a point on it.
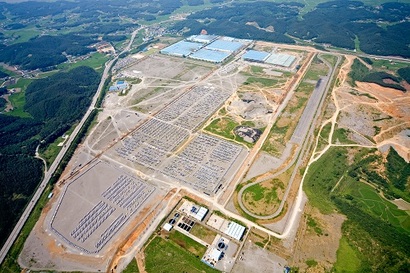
(281, 59)
(181, 49)
(255, 56)
(225, 46)
(212, 56)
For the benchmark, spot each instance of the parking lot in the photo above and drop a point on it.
(204, 164)
(96, 204)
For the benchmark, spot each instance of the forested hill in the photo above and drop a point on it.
(46, 51)
(381, 30)
(55, 104)
(61, 98)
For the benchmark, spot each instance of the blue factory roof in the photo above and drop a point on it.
(210, 55)
(254, 55)
(224, 45)
(182, 48)
(119, 86)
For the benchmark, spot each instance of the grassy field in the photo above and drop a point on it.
(324, 134)
(203, 233)
(313, 225)
(301, 103)
(316, 69)
(95, 61)
(187, 243)
(225, 127)
(347, 258)
(357, 44)
(276, 134)
(262, 198)
(267, 194)
(18, 100)
(305, 87)
(283, 129)
(326, 131)
(331, 59)
(323, 176)
(256, 69)
(340, 135)
(370, 201)
(132, 267)
(265, 82)
(52, 150)
(163, 255)
(387, 66)
(138, 38)
(22, 35)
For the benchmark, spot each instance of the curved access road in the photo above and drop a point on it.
(299, 138)
(48, 173)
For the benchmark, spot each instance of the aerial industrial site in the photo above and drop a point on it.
(182, 136)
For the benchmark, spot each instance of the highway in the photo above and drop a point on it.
(48, 173)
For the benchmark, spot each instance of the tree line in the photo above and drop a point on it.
(55, 103)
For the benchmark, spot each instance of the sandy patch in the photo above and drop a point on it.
(402, 204)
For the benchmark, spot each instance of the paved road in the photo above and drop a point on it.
(48, 174)
(304, 125)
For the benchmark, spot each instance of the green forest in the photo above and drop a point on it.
(337, 23)
(375, 229)
(55, 103)
(45, 51)
(362, 73)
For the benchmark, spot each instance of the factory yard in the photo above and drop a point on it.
(187, 126)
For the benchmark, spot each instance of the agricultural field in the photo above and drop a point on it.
(95, 61)
(18, 99)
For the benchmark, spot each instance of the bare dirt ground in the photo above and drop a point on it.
(254, 259)
(377, 114)
(141, 229)
(319, 247)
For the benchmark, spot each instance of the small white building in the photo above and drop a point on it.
(212, 257)
(167, 227)
(201, 213)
